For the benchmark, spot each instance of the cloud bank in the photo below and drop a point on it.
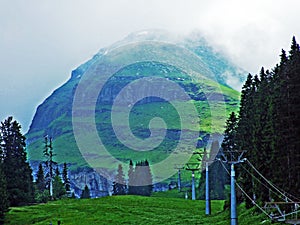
(42, 41)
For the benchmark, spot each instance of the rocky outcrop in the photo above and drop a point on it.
(97, 184)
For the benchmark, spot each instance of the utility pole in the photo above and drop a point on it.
(233, 214)
(203, 158)
(193, 167)
(179, 167)
(207, 190)
(235, 158)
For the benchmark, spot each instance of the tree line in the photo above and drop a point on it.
(17, 186)
(268, 128)
(139, 180)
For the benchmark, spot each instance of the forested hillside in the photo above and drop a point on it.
(268, 130)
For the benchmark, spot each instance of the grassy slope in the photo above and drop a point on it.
(65, 146)
(128, 210)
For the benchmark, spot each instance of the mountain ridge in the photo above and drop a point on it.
(212, 100)
(67, 90)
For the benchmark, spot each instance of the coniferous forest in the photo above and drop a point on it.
(17, 186)
(16, 181)
(267, 128)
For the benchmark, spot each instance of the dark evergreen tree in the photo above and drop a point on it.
(49, 163)
(148, 178)
(269, 127)
(59, 190)
(3, 193)
(131, 178)
(119, 185)
(292, 119)
(142, 179)
(57, 172)
(218, 177)
(245, 131)
(15, 166)
(40, 181)
(85, 193)
(65, 178)
(229, 144)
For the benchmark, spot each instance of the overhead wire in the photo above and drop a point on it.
(244, 192)
(265, 185)
(253, 202)
(282, 192)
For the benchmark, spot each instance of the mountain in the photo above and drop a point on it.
(147, 75)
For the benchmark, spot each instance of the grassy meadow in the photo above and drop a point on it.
(129, 210)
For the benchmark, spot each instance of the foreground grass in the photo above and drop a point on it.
(128, 210)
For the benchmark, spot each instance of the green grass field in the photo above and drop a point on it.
(129, 210)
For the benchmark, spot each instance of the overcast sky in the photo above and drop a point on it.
(42, 41)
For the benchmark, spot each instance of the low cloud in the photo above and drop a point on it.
(42, 41)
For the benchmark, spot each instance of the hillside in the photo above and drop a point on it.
(53, 116)
(58, 122)
(122, 91)
(129, 210)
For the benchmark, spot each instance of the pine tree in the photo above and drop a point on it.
(40, 181)
(65, 178)
(3, 188)
(141, 179)
(50, 164)
(3, 193)
(131, 185)
(218, 177)
(286, 119)
(58, 187)
(119, 185)
(149, 179)
(229, 144)
(57, 172)
(85, 193)
(293, 117)
(15, 166)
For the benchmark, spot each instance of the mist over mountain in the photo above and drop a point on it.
(225, 71)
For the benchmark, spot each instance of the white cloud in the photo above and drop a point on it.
(42, 41)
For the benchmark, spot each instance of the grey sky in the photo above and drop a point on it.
(42, 41)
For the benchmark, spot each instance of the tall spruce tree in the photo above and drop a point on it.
(131, 186)
(15, 166)
(140, 178)
(65, 178)
(293, 118)
(40, 181)
(3, 188)
(119, 185)
(229, 144)
(3, 193)
(245, 132)
(49, 164)
(59, 190)
(148, 178)
(41, 194)
(85, 193)
(218, 177)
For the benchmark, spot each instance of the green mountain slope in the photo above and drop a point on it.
(53, 117)
(153, 63)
